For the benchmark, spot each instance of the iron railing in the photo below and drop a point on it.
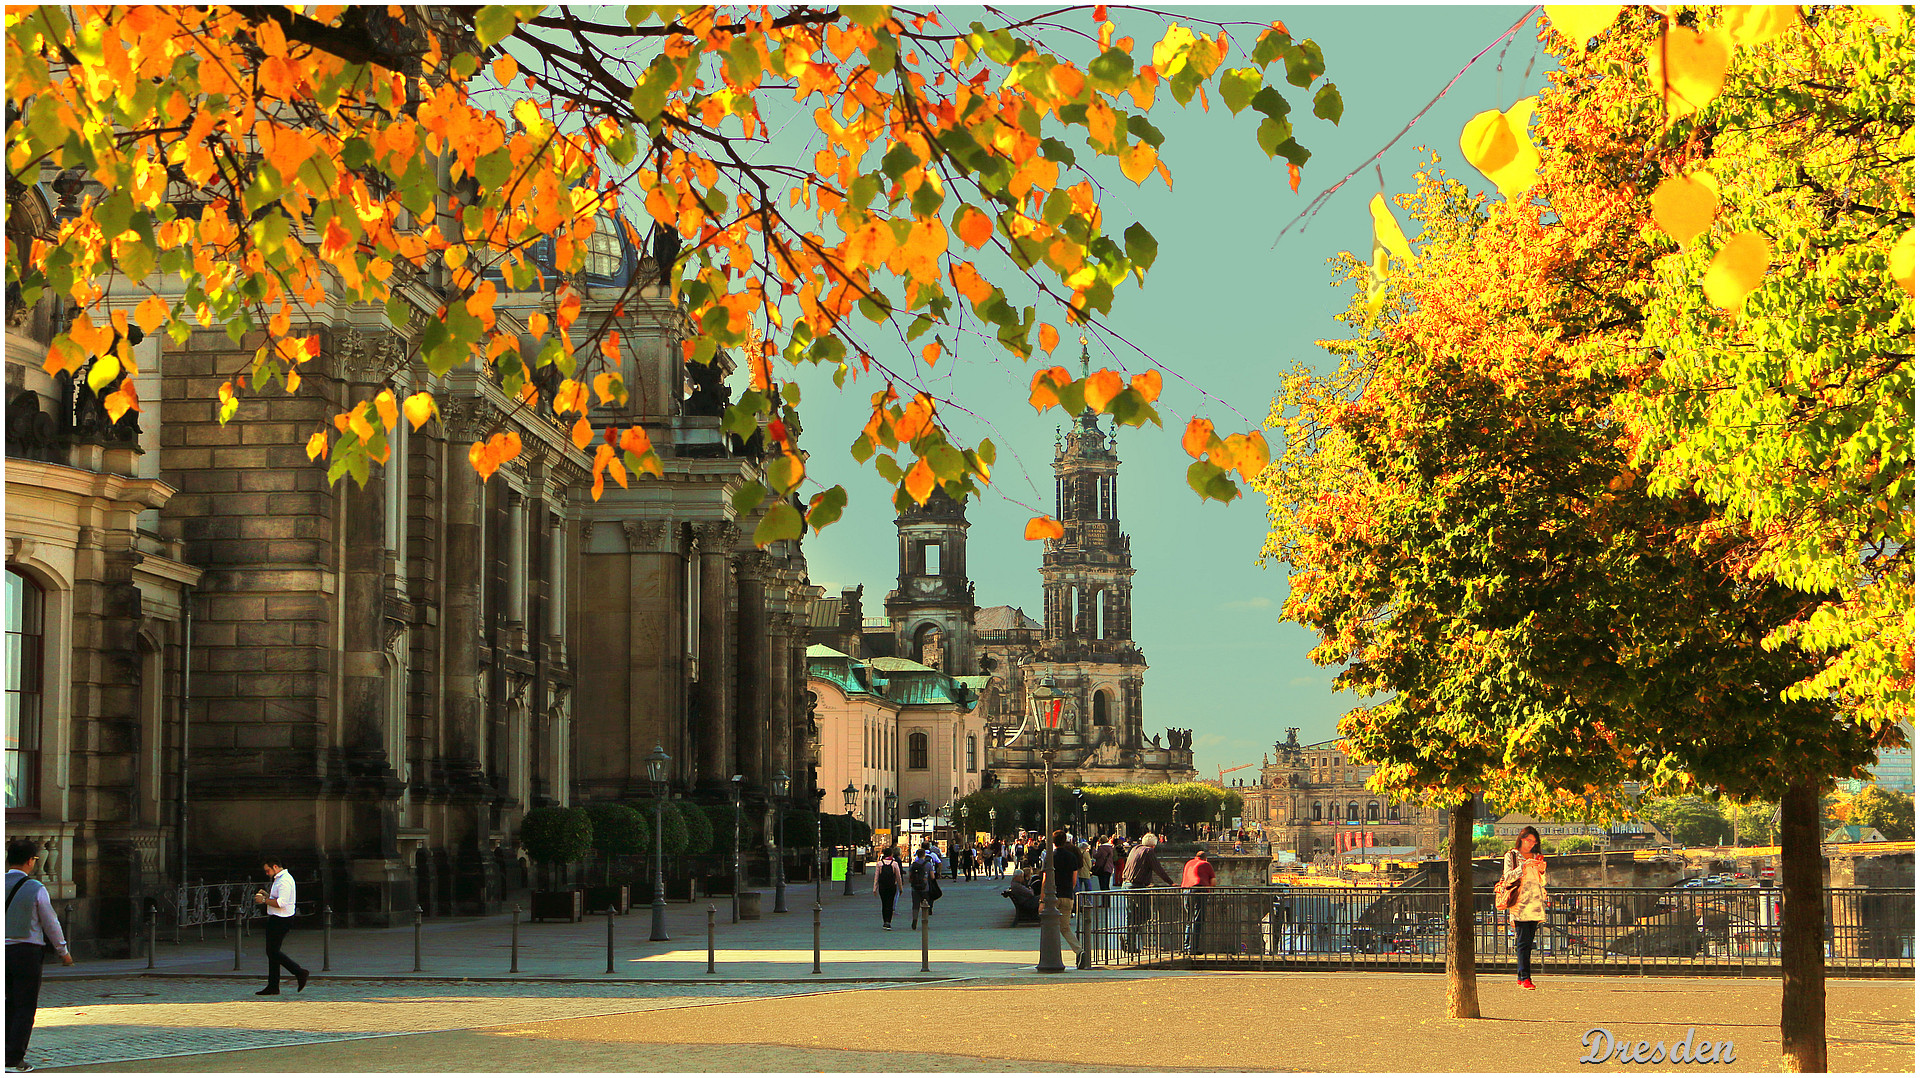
(1736, 930)
(197, 905)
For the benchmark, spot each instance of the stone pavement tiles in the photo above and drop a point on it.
(1074, 1021)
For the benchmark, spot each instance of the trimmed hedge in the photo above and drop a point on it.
(618, 831)
(674, 836)
(552, 835)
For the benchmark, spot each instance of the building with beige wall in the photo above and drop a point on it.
(891, 726)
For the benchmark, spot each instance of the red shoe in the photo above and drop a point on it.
(1527, 984)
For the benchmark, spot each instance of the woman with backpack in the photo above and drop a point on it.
(924, 878)
(887, 880)
(1523, 887)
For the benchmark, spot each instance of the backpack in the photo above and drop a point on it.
(917, 876)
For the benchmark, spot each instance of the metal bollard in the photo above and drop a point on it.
(609, 937)
(326, 939)
(926, 921)
(236, 948)
(1085, 959)
(515, 968)
(816, 937)
(153, 917)
(710, 912)
(418, 915)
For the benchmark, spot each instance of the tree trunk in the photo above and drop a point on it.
(1463, 988)
(1803, 915)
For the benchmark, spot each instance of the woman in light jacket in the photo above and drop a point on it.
(1525, 864)
(888, 877)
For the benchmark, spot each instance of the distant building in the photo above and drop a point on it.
(1620, 835)
(1313, 801)
(1854, 832)
(1894, 769)
(893, 726)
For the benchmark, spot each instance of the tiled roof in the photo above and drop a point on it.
(823, 614)
(1001, 618)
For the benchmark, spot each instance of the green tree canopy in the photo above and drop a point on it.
(552, 835)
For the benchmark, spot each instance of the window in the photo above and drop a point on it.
(917, 754)
(1100, 716)
(930, 558)
(1393, 811)
(1316, 812)
(1353, 812)
(26, 647)
(973, 754)
(1099, 615)
(1373, 812)
(603, 250)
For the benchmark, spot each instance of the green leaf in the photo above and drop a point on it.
(986, 451)
(784, 473)
(1237, 87)
(1271, 45)
(1145, 131)
(1111, 70)
(1272, 134)
(947, 463)
(888, 468)
(1142, 248)
(1327, 104)
(862, 449)
(826, 507)
(748, 498)
(781, 522)
(1304, 64)
(493, 23)
(1269, 101)
(866, 15)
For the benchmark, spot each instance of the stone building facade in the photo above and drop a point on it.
(894, 727)
(1313, 800)
(374, 683)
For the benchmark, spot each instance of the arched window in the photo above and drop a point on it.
(1098, 614)
(1316, 812)
(917, 755)
(26, 658)
(1353, 812)
(1101, 712)
(1393, 812)
(973, 754)
(1373, 812)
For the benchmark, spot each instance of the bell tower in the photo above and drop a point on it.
(931, 606)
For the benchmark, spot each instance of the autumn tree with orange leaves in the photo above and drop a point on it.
(261, 159)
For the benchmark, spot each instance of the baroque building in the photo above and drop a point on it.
(224, 655)
(1312, 800)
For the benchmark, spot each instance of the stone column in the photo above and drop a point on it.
(516, 582)
(753, 713)
(466, 824)
(780, 711)
(713, 698)
(654, 679)
(557, 586)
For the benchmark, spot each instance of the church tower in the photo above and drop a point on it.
(931, 606)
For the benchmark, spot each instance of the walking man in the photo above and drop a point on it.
(1141, 867)
(31, 926)
(277, 899)
(1196, 877)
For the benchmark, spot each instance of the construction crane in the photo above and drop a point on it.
(1225, 771)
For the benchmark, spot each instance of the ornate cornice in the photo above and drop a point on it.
(716, 536)
(752, 565)
(646, 536)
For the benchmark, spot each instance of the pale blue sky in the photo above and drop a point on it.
(1227, 309)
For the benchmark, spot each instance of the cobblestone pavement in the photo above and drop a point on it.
(1176, 1021)
(121, 1020)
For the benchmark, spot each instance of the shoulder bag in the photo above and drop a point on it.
(1506, 893)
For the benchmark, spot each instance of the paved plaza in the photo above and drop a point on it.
(981, 1008)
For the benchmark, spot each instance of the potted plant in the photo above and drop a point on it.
(699, 843)
(618, 831)
(554, 836)
(673, 837)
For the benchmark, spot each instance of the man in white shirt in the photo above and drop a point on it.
(278, 899)
(31, 925)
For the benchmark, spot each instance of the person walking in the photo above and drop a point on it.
(31, 929)
(277, 900)
(1141, 867)
(924, 878)
(1103, 862)
(1525, 865)
(1196, 877)
(1063, 870)
(888, 877)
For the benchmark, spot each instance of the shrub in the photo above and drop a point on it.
(552, 835)
(674, 834)
(699, 827)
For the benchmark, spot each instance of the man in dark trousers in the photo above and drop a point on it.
(1196, 878)
(31, 926)
(277, 898)
(1142, 866)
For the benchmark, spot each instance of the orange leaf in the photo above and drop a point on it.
(317, 445)
(1045, 528)
(582, 433)
(1102, 387)
(480, 455)
(1148, 384)
(930, 353)
(537, 324)
(920, 482)
(1199, 433)
(505, 445)
(1737, 270)
(1249, 453)
(1049, 338)
(634, 440)
(1293, 176)
(974, 228)
(151, 314)
(569, 307)
(505, 67)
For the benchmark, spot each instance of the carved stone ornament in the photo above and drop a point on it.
(717, 536)
(369, 355)
(752, 565)
(467, 418)
(396, 629)
(586, 532)
(645, 536)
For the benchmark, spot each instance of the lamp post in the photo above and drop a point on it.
(657, 762)
(852, 796)
(780, 782)
(818, 865)
(1044, 700)
(891, 815)
(739, 781)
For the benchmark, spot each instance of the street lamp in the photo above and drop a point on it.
(739, 781)
(780, 781)
(1045, 701)
(890, 817)
(818, 796)
(852, 796)
(657, 762)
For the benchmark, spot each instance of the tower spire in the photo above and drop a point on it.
(1084, 362)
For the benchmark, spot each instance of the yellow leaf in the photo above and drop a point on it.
(1578, 22)
(1137, 161)
(151, 314)
(1102, 386)
(1900, 261)
(1523, 168)
(607, 386)
(419, 408)
(920, 481)
(1049, 338)
(1045, 528)
(582, 433)
(1488, 143)
(1737, 270)
(1199, 433)
(389, 412)
(1386, 230)
(1753, 24)
(571, 397)
(1893, 15)
(1683, 206)
(357, 423)
(1249, 453)
(1690, 65)
(317, 445)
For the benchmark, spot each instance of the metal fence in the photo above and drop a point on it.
(1734, 930)
(197, 905)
